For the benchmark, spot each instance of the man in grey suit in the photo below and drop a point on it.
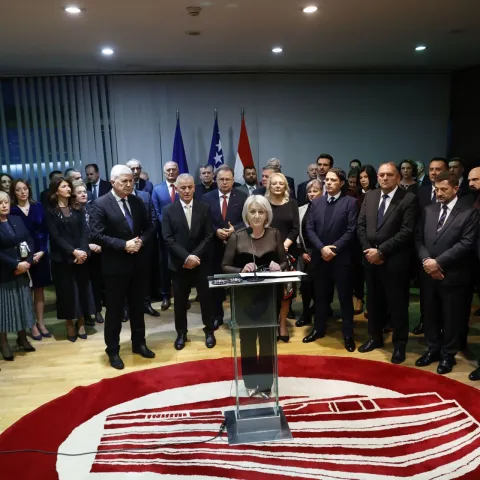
(445, 241)
(251, 182)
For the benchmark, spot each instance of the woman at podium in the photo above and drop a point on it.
(257, 247)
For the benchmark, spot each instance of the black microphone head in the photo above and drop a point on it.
(249, 231)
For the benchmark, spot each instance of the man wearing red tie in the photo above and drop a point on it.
(164, 194)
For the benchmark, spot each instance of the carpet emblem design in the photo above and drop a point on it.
(351, 437)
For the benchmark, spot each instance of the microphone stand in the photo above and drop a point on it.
(253, 279)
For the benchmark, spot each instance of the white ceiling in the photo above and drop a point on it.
(37, 36)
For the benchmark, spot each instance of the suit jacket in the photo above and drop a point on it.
(394, 236)
(182, 241)
(148, 203)
(424, 194)
(341, 227)
(103, 188)
(201, 190)
(244, 189)
(144, 186)
(110, 230)
(453, 247)
(9, 251)
(302, 193)
(425, 181)
(66, 235)
(161, 198)
(463, 189)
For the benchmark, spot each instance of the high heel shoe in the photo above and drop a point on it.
(47, 334)
(71, 338)
(36, 337)
(6, 352)
(83, 336)
(283, 338)
(25, 344)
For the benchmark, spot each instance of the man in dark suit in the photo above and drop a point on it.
(207, 183)
(385, 228)
(251, 182)
(312, 171)
(163, 195)
(120, 224)
(324, 164)
(426, 196)
(96, 185)
(331, 228)
(226, 206)
(445, 240)
(422, 178)
(187, 233)
(139, 183)
(456, 166)
(43, 195)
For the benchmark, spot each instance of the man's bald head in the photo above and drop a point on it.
(474, 179)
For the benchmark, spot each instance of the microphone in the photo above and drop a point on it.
(253, 279)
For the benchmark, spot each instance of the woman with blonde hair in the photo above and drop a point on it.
(286, 220)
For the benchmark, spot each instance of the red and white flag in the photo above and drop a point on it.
(244, 153)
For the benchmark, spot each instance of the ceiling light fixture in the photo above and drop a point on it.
(310, 9)
(277, 50)
(72, 9)
(420, 48)
(107, 51)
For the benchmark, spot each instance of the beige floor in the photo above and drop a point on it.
(58, 365)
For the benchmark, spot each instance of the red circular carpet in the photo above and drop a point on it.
(350, 419)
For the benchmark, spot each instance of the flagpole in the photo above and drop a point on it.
(243, 113)
(178, 114)
(215, 114)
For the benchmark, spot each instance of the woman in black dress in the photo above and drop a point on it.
(69, 252)
(287, 221)
(266, 245)
(408, 171)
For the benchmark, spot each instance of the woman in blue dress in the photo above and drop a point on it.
(33, 215)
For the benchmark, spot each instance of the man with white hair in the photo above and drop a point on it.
(120, 224)
(165, 194)
(422, 178)
(277, 165)
(139, 183)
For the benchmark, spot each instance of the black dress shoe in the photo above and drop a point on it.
(349, 344)
(180, 341)
(419, 329)
(427, 359)
(116, 361)
(149, 310)
(303, 320)
(89, 321)
(144, 351)
(446, 364)
(475, 375)
(369, 346)
(312, 336)
(99, 317)
(398, 356)
(218, 322)
(166, 304)
(291, 314)
(210, 340)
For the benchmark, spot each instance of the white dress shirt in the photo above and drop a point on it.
(251, 189)
(120, 203)
(449, 210)
(220, 196)
(388, 199)
(336, 197)
(187, 210)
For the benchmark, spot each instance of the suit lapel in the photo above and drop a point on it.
(392, 206)
(231, 204)
(118, 210)
(194, 222)
(372, 207)
(450, 218)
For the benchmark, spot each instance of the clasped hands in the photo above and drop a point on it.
(328, 253)
(224, 233)
(192, 261)
(250, 267)
(80, 256)
(373, 256)
(133, 245)
(22, 268)
(432, 268)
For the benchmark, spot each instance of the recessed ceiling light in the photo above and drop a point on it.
(277, 50)
(107, 51)
(310, 9)
(74, 10)
(420, 48)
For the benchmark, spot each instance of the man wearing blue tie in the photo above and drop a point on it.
(164, 194)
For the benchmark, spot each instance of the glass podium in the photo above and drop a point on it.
(258, 416)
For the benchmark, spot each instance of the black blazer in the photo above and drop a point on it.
(454, 246)
(103, 188)
(182, 242)
(342, 227)
(424, 194)
(110, 230)
(9, 252)
(145, 186)
(66, 235)
(394, 236)
(302, 193)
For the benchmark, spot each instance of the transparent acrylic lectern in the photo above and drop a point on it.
(257, 416)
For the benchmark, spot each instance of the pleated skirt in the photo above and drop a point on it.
(16, 305)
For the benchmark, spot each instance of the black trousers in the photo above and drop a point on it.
(96, 279)
(183, 280)
(444, 310)
(165, 273)
(257, 369)
(387, 297)
(69, 277)
(328, 275)
(118, 288)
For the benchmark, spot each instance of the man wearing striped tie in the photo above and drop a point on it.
(445, 241)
